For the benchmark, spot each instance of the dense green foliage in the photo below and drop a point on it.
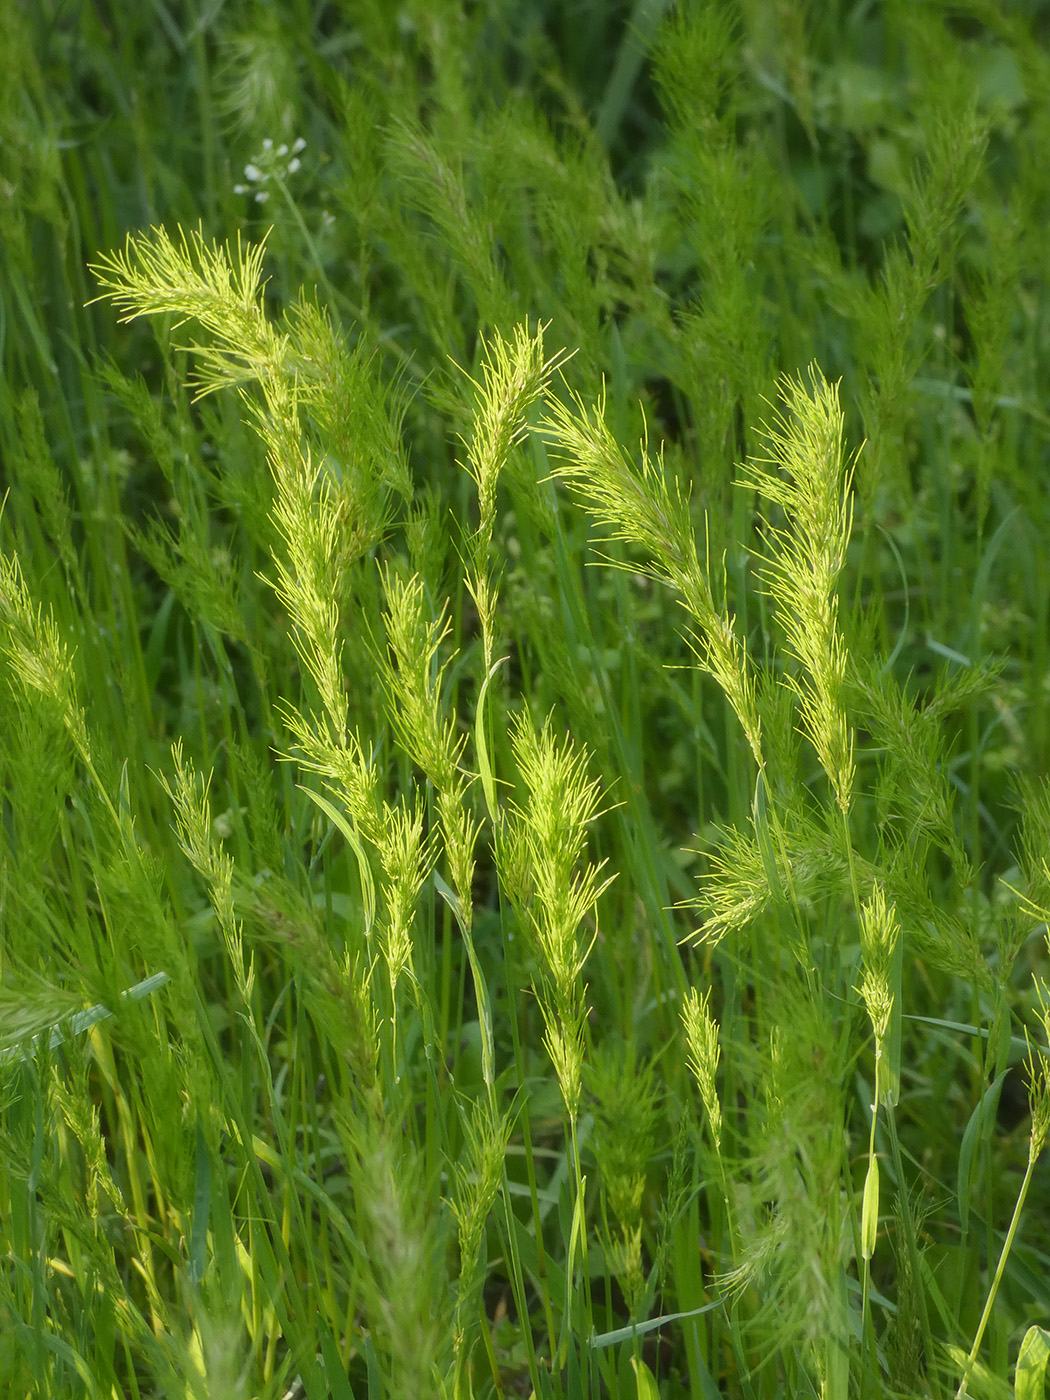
(525, 723)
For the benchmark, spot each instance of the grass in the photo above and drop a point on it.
(525, 641)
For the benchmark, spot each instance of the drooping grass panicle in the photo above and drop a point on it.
(222, 289)
(433, 182)
(641, 507)
(325, 518)
(805, 474)
(193, 278)
(342, 764)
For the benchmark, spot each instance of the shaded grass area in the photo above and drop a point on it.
(524, 843)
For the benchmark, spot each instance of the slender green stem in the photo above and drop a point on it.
(1004, 1254)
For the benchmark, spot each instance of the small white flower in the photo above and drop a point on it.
(327, 219)
(262, 196)
(271, 163)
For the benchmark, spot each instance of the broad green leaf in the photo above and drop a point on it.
(647, 1389)
(1030, 1376)
(977, 1131)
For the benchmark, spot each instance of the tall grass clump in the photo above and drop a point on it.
(525, 653)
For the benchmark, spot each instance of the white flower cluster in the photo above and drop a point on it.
(272, 162)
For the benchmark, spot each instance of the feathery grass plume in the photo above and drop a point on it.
(565, 888)
(792, 1240)
(476, 1180)
(879, 932)
(514, 375)
(36, 473)
(223, 290)
(40, 660)
(412, 681)
(721, 188)
(1039, 1081)
(342, 766)
(626, 1112)
(702, 1051)
(887, 312)
(305, 584)
(200, 576)
(194, 279)
(399, 1255)
(750, 876)
(459, 829)
(811, 483)
(434, 183)
(41, 767)
(406, 859)
(988, 295)
(72, 1105)
(357, 418)
(914, 791)
(676, 1194)
(1035, 841)
(196, 837)
(258, 82)
(643, 508)
(326, 517)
